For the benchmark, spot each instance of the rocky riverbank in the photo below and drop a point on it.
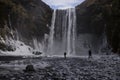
(103, 68)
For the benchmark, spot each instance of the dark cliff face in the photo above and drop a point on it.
(39, 16)
(29, 17)
(112, 17)
(89, 16)
(97, 16)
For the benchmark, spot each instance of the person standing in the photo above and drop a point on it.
(65, 55)
(90, 54)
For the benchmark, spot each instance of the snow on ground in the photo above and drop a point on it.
(57, 68)
(21, 49)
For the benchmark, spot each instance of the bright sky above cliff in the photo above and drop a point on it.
(62, 4)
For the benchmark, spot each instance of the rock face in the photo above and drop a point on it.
(26, 19)
(98, 16)
(29, 68)
(38, 17)
(112, 19)
(90, 27)
(89, 16)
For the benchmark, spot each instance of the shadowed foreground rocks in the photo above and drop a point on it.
(101, 68)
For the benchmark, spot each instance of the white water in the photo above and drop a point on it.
(69, 32)
(20, 49)
(62, 32)
(51, 38)
(71, 35)
(37, 45)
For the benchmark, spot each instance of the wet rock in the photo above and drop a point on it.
(37, 53)
(29, 68)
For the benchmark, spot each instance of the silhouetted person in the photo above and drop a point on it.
(65, 55)
(90, 54)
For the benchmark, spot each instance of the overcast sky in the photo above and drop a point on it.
(62, 4)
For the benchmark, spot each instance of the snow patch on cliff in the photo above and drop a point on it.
(20, 48)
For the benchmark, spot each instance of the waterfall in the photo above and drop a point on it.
(51, 38)
(71, 35)
(69, 31)
(62, 37)
(37, 45)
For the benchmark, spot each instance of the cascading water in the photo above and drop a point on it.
(51, 38)
(37, 45)
(71, 31)
(62, 37)
(62, 32)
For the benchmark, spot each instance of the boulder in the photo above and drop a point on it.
(37, 53)
(29, 68)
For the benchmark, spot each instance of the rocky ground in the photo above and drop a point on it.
(102, 68)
